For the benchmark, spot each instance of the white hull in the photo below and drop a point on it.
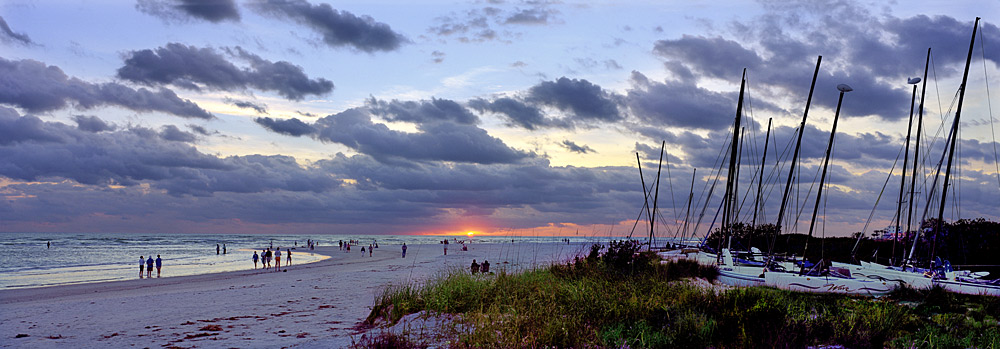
(824, 284)
(878, 272)
(963, 287)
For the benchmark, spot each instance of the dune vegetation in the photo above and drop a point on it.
(618, 297)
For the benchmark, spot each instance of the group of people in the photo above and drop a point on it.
(346, 246)
(483, 268)
(147, 263)
(266, 255)
(312, 244)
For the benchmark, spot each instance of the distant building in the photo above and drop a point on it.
(889, 233)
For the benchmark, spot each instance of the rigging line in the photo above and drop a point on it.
(670, 185)
(989, 104)
(718, 167)
(879, 198)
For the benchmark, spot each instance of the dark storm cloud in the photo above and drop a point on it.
(584, 100)
(38, 87)
(338, 28)
(193, 68)
(165, 160)
(291, 127)
(259, 108)
(576, 148)
(92, 124)
(214, 11)
(422, 111)
(9, 36)
(435, 141)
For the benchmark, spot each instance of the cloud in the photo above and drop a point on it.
(573, 147)
(8, 35)
(517, 112)
(422, 111)
(92, 124)
(172, 133)
(193, 68)
(780, 61)
(38, 87)
(291, 127)
(311, 115)
(529, 16)
(680, 104)
(338, 28)
(259, 108)
(434, 141)
(493, 22)
(214, 11)
(438, 56)
(586, 101)
(134, 156)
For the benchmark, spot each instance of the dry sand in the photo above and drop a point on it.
(321, 304)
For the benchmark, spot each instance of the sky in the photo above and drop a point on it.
(489, 116)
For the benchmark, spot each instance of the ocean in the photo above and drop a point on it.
(27, 262)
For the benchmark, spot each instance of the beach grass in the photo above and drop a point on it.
(619, 297)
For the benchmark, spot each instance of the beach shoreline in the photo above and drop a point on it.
(320, 302)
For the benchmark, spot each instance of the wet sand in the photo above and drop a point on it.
(309, 305)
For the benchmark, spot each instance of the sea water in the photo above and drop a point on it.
(30, 260)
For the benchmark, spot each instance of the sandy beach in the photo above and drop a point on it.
(321, 304)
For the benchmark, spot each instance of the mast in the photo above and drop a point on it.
(645, 193)
(760, 180)
(954, 137)
(687, 216)
(656, 196)
(822, 178)
(795, 155)
(902, 182)
(916, 159)
(730, 201)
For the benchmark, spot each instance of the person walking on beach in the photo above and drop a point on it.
(370, 249)
(445, 247)
(404, 250)
(277, 259)
(149, 266)
(288, 256)
(142, 264)
(159, 263)
(267, 259)
(255, 259)
(362, 251)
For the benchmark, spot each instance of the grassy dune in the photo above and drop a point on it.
(618, 299)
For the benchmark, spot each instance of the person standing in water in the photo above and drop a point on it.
(216, 248)
(159, 263)
(223, 248)
(142, 264)
(404, 250)
(255, 257)
(288, 256)
(149, 266)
